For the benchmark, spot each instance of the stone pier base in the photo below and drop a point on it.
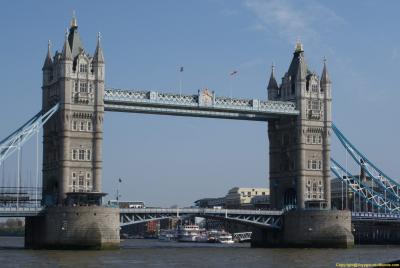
(81, 227)
(309, 228)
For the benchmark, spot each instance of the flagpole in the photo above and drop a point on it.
(180, 83)
(230, 86)
(232, 74)
(180, 80)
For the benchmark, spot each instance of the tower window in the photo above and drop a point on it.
(88, 175)
(90, 88)
(81, 180)
(76, 86)
(314, 187)
(314, 164)
(83, 87)
(83, 68)
(74, 154)
(315, 105)
(319, 164)
(82, 126)
(81, 154)
(74, 125)
(89, 126)
(88, 155)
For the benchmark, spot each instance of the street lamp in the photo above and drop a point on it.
(119, 182)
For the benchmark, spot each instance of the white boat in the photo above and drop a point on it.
(224, 238)
(188, 233)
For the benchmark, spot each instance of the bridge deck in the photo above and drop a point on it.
(205, 104)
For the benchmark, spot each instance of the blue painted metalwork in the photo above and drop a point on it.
(204, 104)
(361, 189)
(387, 184)
(24, 133)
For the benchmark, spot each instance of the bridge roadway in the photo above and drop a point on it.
(261, 218)
(204, 104)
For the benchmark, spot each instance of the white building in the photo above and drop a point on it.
(243, 197)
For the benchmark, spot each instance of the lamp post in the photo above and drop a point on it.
(118, 195)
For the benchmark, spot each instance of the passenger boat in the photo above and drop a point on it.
(188, 233)
(225, 238)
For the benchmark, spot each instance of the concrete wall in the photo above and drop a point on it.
(74, 227)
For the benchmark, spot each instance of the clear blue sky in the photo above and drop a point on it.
(174, 160)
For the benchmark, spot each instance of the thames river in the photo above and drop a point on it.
(153, 253)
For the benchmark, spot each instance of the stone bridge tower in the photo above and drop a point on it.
(72, 157)
(300, 146)
(72, 140)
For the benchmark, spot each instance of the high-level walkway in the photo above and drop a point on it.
(204, 104)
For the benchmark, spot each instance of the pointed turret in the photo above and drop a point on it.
(74, 39)
(98, 54)
(298, 66)
(48, 62)
(66, 51)
(325, 76)
(272, 84)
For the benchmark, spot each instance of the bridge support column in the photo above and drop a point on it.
(83, 227)
(309, 228)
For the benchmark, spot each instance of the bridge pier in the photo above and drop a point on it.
(308, 228)
(80, 227)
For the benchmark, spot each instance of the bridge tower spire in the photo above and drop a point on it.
(272, 85)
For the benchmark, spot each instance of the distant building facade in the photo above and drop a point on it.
(246, 197)
(210, 202)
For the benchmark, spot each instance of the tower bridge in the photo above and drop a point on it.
(299, 117)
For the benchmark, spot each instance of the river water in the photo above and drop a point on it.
(153, 253)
